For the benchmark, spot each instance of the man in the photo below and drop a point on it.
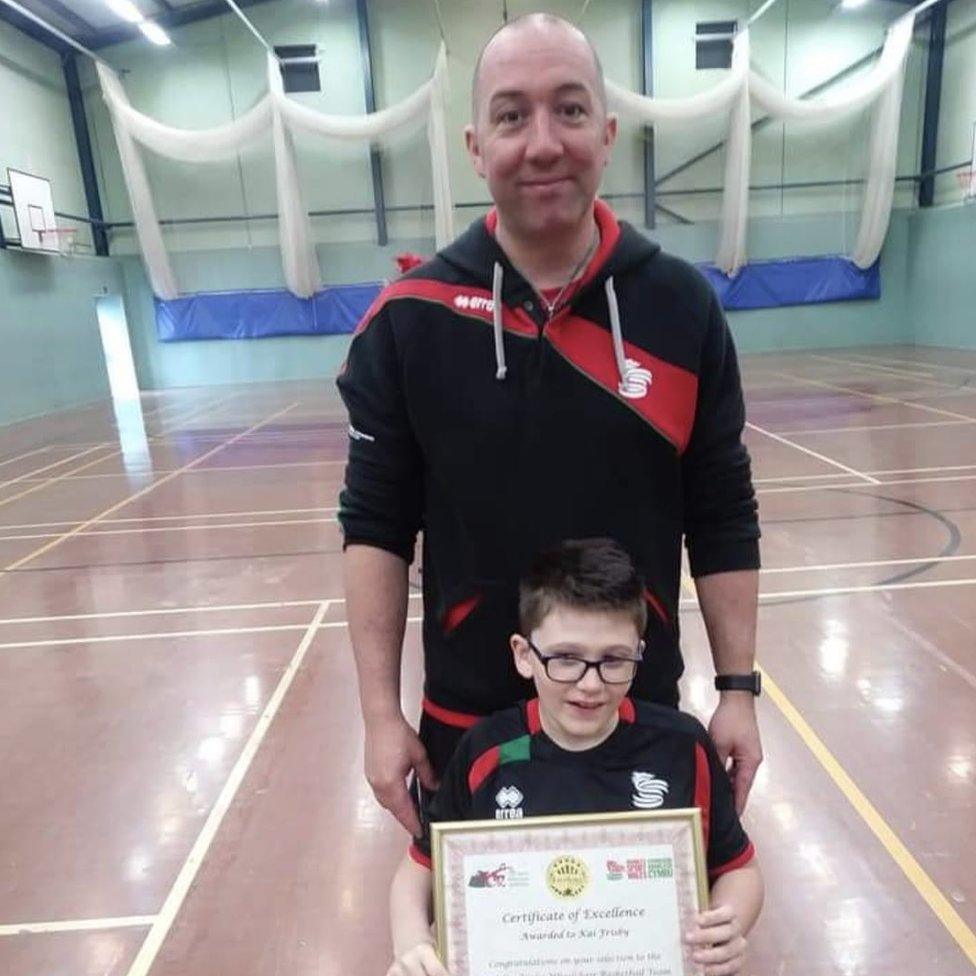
(552, 374)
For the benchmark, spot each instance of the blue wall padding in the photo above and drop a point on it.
(335, 311)
(797, 281)
(256, 314)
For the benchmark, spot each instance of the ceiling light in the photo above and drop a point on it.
(154, 32)
(853, 4)
(126, 9)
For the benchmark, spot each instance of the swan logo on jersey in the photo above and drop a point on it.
(509, 800)
(636, 381)
(649, 791)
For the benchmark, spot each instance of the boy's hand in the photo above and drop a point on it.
(421, 960)
(718, 941)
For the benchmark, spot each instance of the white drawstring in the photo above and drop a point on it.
(496, 320)
(615, 331)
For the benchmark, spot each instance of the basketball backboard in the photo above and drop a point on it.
(33, 210)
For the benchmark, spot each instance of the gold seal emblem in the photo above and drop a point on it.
(567, 876)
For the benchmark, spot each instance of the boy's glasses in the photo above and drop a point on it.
(567, 670)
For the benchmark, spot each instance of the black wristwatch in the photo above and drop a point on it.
(739, 682)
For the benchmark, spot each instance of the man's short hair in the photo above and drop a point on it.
(585, 574)
(538, 18)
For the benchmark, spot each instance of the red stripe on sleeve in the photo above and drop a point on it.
(626, 711)
(417, 855)
(739, 861)
(459, 720)
(532, 719)
(656, 605)
(703, 790)
(460, 612)
(482, 767)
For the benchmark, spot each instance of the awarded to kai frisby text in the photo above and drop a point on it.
(594, 895)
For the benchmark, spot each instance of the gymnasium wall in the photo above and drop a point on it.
(50, 353)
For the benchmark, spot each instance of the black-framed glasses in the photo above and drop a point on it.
(567, 669)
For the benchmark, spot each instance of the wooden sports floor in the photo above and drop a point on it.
(181, 788)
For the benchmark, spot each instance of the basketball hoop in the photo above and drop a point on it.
(60, 239)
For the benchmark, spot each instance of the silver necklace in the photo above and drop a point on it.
(551, 306)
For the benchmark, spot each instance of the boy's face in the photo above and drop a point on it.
(581, 714)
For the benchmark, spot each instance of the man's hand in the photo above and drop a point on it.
(735, 732)
(393, 749)
(718, 941)
(421, 960)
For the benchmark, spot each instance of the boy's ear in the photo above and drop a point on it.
(522, 655)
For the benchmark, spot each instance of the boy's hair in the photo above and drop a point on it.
(586, 574)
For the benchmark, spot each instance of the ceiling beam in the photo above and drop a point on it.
(78, 23)
(176, 17)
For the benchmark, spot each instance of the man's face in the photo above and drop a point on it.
(541, 136)
(580, 714)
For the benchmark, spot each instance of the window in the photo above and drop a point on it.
(714, 53)
(299, 67)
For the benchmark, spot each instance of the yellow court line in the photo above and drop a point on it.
(923, 884)
(47, 482)
(47, 547)
(78, 925)
(30, 475)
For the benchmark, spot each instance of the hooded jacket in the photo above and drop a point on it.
(499, 433)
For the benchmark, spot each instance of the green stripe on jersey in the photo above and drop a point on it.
(515, 750)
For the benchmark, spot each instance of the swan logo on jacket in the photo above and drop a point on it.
(649, 791)
(636, 381)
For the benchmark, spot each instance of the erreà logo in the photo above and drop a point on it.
(509, 800)
(476, 303)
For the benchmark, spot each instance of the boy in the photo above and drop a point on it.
(583, 746)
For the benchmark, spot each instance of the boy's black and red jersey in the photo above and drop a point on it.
(499, 433)
(507, 768)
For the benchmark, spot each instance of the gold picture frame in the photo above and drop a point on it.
(563, 864)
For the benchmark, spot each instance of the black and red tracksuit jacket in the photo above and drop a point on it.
(562, 447)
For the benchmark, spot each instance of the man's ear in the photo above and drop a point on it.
(473, 145)
(609, 136)
(522, 655)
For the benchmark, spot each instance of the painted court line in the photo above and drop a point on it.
(860, 484)
(142, 530)
(875, 396)
(913, 871)
(54, 480)
(890, 370)
(164, 611)
(806, 450)
(175, 518)
(175, 634)
(865, 565)
(211, 470)
(47, 482)
(78, 925)
(174, 900)
(30, 476)
(27, 454)
(863, 427)
(47, 547)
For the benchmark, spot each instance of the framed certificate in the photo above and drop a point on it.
(584, 895)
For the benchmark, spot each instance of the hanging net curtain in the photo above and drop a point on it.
(281, 116)
(880, 90)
